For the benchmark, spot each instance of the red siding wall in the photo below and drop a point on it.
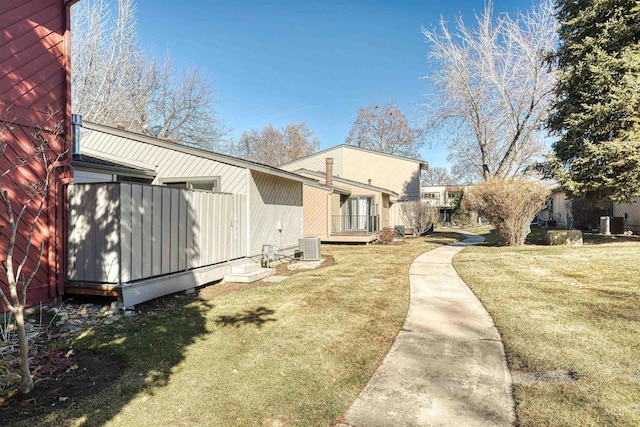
(35, 100)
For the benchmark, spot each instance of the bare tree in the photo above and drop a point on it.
(437, 176)
(183, 105)
(493, 88)
(22, 213)
(419, 215)
(274, 147)
(115, 81)
(385, 129)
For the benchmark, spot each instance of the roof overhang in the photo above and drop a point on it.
(218, 157)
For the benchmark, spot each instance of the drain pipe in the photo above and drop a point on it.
(76, 124)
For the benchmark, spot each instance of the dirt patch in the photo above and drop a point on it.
(87, 374)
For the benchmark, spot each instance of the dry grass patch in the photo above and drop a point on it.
(293, 353)
(569, 316)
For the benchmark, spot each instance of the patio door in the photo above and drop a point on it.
(358, 212)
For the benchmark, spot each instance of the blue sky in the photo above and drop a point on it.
(286, 61)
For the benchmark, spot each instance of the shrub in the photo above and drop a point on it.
(509, 204)
(387, 235)
(420, 216)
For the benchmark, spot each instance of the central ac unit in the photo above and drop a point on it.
(310, 248)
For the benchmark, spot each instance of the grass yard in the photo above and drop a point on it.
(293, 353)
(570, 321)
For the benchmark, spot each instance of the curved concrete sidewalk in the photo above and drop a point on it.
(447, 366)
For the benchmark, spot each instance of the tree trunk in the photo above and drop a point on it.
(26, 384)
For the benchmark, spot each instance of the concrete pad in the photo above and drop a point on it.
(447, 366)
(305, 265)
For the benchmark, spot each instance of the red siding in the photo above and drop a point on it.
(35, 97)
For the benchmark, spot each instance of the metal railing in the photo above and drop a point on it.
(355, 225)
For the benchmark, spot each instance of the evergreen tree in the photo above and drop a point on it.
(597, 108)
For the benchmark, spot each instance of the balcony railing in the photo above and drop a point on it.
(355, 225)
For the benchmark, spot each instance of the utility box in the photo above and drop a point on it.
(611, 225)
(310, 248)
(616, 225)
(605, 225)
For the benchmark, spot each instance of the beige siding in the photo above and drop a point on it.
(316, 214)
(274, 203)
(170, 163)
(631, 213)
(394, 173)
(121, 232)
(317, 162)
(391, 172)
(395, 215)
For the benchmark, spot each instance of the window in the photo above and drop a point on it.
(208, 184)
(358, 211)
(430, 196)
(453, 194)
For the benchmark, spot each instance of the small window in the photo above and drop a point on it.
(212, 185)
(205, 186)
(453, 194)
(430, 196)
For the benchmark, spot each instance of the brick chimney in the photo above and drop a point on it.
(329, 172)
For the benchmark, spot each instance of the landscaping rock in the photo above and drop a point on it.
(564, 237)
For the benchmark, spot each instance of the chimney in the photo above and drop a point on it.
(329, 177)
(76, 124)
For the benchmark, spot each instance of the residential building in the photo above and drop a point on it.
(397, 175)
(344, 210)
(201, 212)
(35, 97)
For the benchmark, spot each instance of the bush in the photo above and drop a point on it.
(510, 205)
(387, 235)
(420, 216)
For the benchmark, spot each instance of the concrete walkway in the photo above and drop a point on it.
(447, 366)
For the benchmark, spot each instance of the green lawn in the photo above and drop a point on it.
(293, 353)
(570, 314)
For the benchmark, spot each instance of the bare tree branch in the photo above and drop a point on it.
(385, 129)
(493, 89)
(115, 81)
(274, 147)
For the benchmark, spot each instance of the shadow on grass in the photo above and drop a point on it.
(256, 317)
(151, 345)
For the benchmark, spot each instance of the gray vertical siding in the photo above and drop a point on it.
(123, 232)
(632, 211)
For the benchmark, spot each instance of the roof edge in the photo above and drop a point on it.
(222, 158)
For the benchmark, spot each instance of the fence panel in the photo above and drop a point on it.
(123, 232)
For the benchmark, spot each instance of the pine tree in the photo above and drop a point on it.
(597, 108)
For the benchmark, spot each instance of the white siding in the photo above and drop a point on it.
(170, 163)
(274, 202)
(630, 212)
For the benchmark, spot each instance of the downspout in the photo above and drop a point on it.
(62, 176)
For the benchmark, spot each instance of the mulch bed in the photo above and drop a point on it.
(87, 375)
